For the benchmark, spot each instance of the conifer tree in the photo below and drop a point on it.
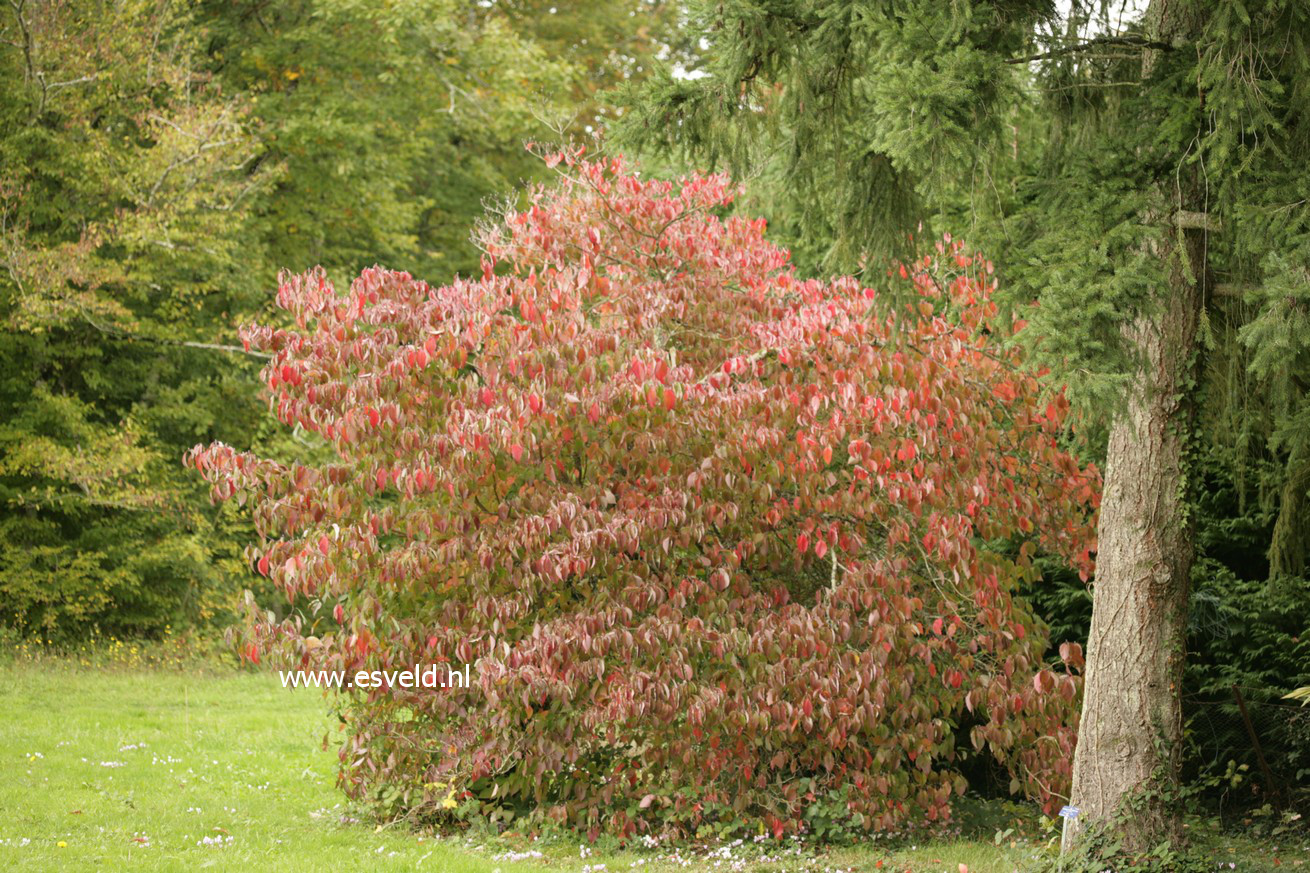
(1136, 167)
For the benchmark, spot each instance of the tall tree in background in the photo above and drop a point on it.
(125, 172)
(159, 163)
(607, 42)
(1136, 168)
(391, 123)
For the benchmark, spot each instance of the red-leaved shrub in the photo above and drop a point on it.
(720, 544)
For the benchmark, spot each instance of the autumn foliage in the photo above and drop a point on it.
(720, 544)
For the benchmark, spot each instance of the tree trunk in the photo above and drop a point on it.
(1131, 728)
(1291, 535)
(1126, 763)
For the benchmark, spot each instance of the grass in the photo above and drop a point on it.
(149, 769)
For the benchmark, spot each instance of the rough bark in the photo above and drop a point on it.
(1126, 764)
(1131, 727)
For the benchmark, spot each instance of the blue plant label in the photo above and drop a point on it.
(1070, 811)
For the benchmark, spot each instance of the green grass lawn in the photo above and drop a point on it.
(162, 770)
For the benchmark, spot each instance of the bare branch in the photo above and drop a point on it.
(1135, 41)
(219, 347)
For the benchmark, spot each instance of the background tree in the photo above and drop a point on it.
(607, 42)
(1144, 136)
(126, 169)
(162, 161)
(392, 124)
